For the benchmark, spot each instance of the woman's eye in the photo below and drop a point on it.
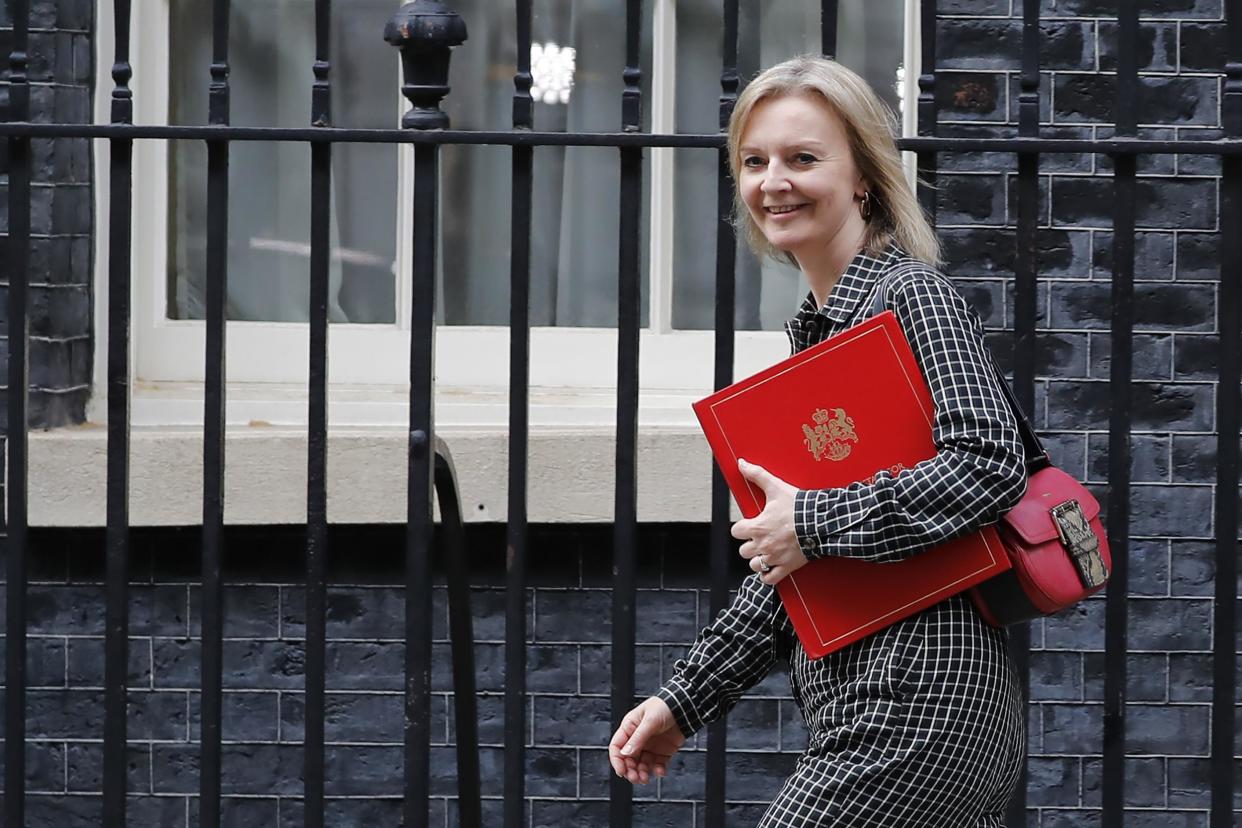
(805, 158)
(752, 161)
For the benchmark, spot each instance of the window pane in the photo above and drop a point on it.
(271, 51)
(576, 194)
(870, 37)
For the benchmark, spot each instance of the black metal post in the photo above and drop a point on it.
(16, 437)
(317, 429)
(116, 643)
(425, 31)
(1228, 425)
(519, 424)
(1120, 375)
(625, 528)
(927, 107)
(722, 544)
(213, 424)
(1025, 344)
(461, 635)
(828, 28)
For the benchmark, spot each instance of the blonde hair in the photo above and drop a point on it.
(870, 127)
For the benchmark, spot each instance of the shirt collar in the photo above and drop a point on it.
(855, 284)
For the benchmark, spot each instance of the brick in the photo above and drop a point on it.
(1190, 677)
(1077, 729)
(1156, 406)
(63, 714)
(1146, 677)
(1198, 257)
(1170, 624)
(1149, 568)
(794, 736)
(1079, 628)
(1068, 451)
(571, 720)
(986, 251)
(973, 7)
(553, 772)
(249, 612)
(365, 665)
(245, 715)
(1166, 729)
(1053, 781)
(979, 44)
(1056, 676)
(352, 612)
(1157, 46)
(1197, 358)
(1153, 256)
(1193, 569)
(63, 811)
(1159, 203)
(84, 767)
(754, 724)
(1150, 8)
(1190, 782)
(158, 715)
(970, 199)
(245, 769)
(559, 616)
(970, 96)
(1149, 458)
(553, 813)
(1152, 356)
(1174, 511)
(1156, 307)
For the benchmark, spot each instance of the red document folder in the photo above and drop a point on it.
(829, 416)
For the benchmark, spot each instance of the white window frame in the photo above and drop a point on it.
(267, 362)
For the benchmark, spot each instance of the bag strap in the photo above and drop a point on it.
(1035, 455)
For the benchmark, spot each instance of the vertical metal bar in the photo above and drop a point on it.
(213, 423)
(116, 643)
(461, 633)
(927, 107)
(726, 293)
(625, 528)
(1122, 337)
(1024, 342)
(18, 461)
(828, 28)
(317, 429)
(425, 35)
(1228, 425)
(519, 425)
(418, 506)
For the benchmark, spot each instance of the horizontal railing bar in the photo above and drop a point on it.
(523, 138)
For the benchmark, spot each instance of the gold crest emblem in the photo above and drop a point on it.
(831, 436)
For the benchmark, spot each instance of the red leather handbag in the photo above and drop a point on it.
(1054, 538)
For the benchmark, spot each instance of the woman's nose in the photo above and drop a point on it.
(775, 181)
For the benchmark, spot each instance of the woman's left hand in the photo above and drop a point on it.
(770, 537)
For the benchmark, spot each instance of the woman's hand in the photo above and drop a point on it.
(647, 738)
(770, 537)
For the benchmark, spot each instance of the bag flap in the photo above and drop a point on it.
(1045, 490)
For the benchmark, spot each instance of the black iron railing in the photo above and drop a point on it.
(425, 31)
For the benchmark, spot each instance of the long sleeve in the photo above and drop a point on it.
(728, 657)
(977, 472)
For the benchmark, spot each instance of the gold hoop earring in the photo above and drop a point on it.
(866, 206)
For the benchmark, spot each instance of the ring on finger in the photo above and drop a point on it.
(763, 564)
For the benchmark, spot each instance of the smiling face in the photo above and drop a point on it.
(798, 178)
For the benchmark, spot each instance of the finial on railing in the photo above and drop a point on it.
(425, 31)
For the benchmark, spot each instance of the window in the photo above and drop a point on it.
(579, 55)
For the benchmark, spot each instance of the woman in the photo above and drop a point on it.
(920, 724)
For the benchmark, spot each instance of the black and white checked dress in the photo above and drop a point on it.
(920, 724)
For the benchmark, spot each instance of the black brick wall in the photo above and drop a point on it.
(61, 70)
(1182, 44)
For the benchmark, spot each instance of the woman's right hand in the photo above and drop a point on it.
(647, 738)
